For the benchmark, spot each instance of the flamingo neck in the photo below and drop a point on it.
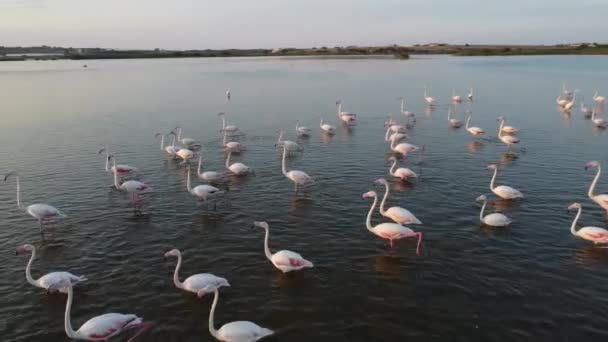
(116, 184)
(402, 106)
(28, 273)
(468, 120)
(228, 160)
(573, 226)
(223, 122)
(266, 249)
(339, 109)
(382, 211)
(176, 281)
(449, 113)
(280, 139)
(393, 142)
(179, 134)
(297, 125)
(18, 193)
(107, 161)
(212, 314)
(68, 321)
(321, 123)
(493, 178)
(283, 168)
(425, 92)
(368, 222)
(502, 123)
(387, 132)
(162, 142)
(592, 186)
(200, 160)
(188, 184)
(173, 143)
(483, 208)
(392, 170)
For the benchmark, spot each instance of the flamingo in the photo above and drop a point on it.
(394, 136)
(596, 235)
(393, 126)
(403, 148)
(132, 187)
(566, 91)
(402, 173)
(47, 280)
(284, 260)
(404, 111)
(238, 169)
(397, 214)
(103, 327)
(233, 146)
(201, 283)
(503, 191)
(430, 100)
(453, 122)
(203, 191)
(327, 128)
(601, 199)
(228, 95)
(231, 129)
(570, 104)
(40, 211)
(473, 130)
(290, 146)
(121, 169)
(586, 110)
(346, 117)
(598, 98)
(299, 178)
(170, 149)
(506, 129)
(238, 331)
(470, 96)
(456, 98)
(508, 140)
(389, 231)
(494, 219)
(561, 101)
(185, 154)
(302, 131)
(185, 141)
(598, 122)
(209, 176)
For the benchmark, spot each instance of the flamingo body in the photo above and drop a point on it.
(594, 234)
(327, 128)
(473, 130)
(503, 191)
(41, 211)
(201, 283)
(284, 260)
(494, 219)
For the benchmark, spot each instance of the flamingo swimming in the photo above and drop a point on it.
(456, 98)
(201, 283)
(103, 327)
(209, 176)
(170, 149)
(299, 178)
(506, 129)
(238, 169)
(394, 136)
(453, 122)
(389, 231)
(404, 111)
(402, 173)
(586, 110)
(596, 235)
(238, 331)
(397, 214)
(598, 122)
(508, 140)
(233, 146)
(403, 148)
(121, 169)
(570, 104)
(302, 131)
(430, 100)
(470, 96)
(186, 141)
(40, 211)
(290, 146)
(346, 117)
(203, 191)
(598, 98)
(473, 130)
(601, 199)
(132, 187)
(185, 154)
(49, 279)
(231, 129)
(327, 128)
(494, 219)
(284, 260)
(503, 191)
(228, 95)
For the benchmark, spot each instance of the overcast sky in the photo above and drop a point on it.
(197, 24)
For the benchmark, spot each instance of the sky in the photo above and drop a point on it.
(218, 24)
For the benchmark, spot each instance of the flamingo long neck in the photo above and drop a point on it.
(392, 170)
(162, 142)
(573, 226)
(173, 143)
(493, 178)
(502, 123)
(321, 122)
(368, 222)
(297, 125)
(116, 184)
(468, 120)
(188, 184)
(382, 211)
(592, 186)
(593, 114)
(280, 140)
(266, 249)
(176, 281)
(339, 109)
(212, 314)
(68, 321)
(18, 192)
(425, 92)
(179, 134)
(483, 208)
(228, 160)
(223, 122)
(387, 132)
(283, 168)
(107, 161)
(28, 273)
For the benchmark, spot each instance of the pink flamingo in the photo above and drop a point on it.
(284, 260)
(389, 231)
(402, 173)
(201, 283)
(133, 187)
(122, 170)
(601, 199)
(596, 235)
(100, 328)
(397, 214)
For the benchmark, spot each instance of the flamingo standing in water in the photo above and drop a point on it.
(402, 173)
(601, 199)
(470, 96)
(508, 140)
(185, 155)
(170, 149)
(185, 141)
(238, 169)
(103, 327)
(132, 187)
(503, 191)
(201, 283)
(397, 214)
(586, 110)
(506, 129)
(284, 260)
(209, 176)
(598, 122)
(598, 98)
(403, 148)
(473, 130)
(455, 123)
(561, 101)
(40, 211)
(239, 331)
(456, 98)
(596, 235)
(49, 279)
(290, 146)
(494, 219)
(302, 131)
(393, 126)
(327, 128)
(299, 178)
(396, 137)
(404, 111)
(570, 104)
(121, 169)
(430, 100)
(230, 129)
(389, 231)
(346, 117)
(203, 191)
(233, 146)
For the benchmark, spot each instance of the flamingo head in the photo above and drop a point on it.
(27, 248)
(338, 102)
(174, 252)
(369, 194)
(574, 205)
(492, 167)
(261, 224)
(481, 198)
(221, 114)
(101, 150)
(591, 164)
(12, 173)
(158, 135)
(381, 181)
(500, 118)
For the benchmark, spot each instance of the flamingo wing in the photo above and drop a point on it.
(242, 331)
(402, 216)
(496, 220)
(105, 326)
(206, 281)
(54, 278)
(507, 192)
(596, 234)
(288, 261)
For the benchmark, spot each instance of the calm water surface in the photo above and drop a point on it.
(531, 281)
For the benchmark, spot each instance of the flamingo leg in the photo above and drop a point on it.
(391, 243)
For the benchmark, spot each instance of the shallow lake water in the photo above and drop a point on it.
(531, 281)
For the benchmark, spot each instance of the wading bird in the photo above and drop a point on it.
(209, 176)
(430, 100)
(290, 146)
(121, 169)
(596, 235)
(503, 191)
(299, 178)
(199, 284)
(598, 98)
(284, 260)
(397, 214)
(327, 128)
(302, 131)
(346, 117)
(230, 129)
(453, 122)
(203, 191)
(473, 130)
(494, 219)
(238, 169)
(402, 173)
(601, 199)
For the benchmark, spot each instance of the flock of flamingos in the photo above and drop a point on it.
(185, 149)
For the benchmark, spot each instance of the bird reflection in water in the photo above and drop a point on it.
(475, 146)
(326, 137)
(591, 254)
(388, 265)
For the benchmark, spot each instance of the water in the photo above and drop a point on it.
(528, 282)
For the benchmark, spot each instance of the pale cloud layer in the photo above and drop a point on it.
(198, 24)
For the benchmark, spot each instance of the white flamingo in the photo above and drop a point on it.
(346, 117)
(203, 191)
(239, 331)
(456, 98)
(49, 279)
(170, 149)
(430, 100)
(389, 231)
(394, 136)
(570, 104)
(238, 169)
(473, 130)
(561, 100)
(231, 129)
(299, 178)
(302, 131)
(290, 146)
(598, 98)
(393, 126)
(228, 95)
(403, 148)
(470, 96)
(596, 235)
(402, 173)
(327, 128)
(506, 129)
(185, 155)
(199, 284)
(598, 122)
(601, 199)
(133, 187)
(503, 191)
(185, 141)
(397, 214)
(404, 111)
(103, 327)
(233, 146)
(209, 176)
(40, 211)
(284, 260)
(453, 122)
(121, 169)
(508, 140)
(494, 219)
